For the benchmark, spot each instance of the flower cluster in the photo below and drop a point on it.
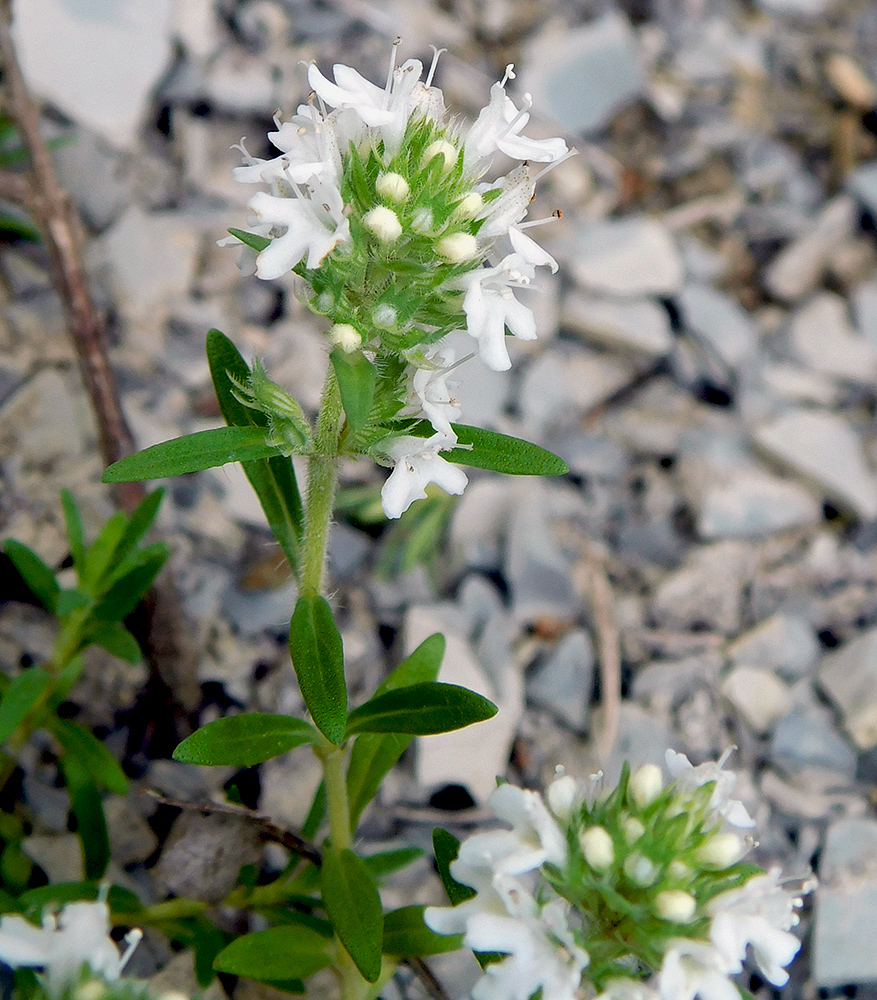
(383, 206)
(640, 894)
(76, 938)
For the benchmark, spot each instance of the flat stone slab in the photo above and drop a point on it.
(849, 676)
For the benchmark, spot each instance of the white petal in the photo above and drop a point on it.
(530, 250)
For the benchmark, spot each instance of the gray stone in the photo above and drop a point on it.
(347, 551)
(643, 738)
(822, 337)
(759, 696)
(634, 256)
(582, 76)
(561, 387)
(800, 8)
(640, 325)
(864, 304)
(849, 676)
(799, 385)
(719, 323)
(128, 47)
(95, 176)
(862, 184)
(784, 643)
(846, 905)
(132, 839)
(448, 758)
(800, 265)
(59, 856)
(823, 447)
(482, 393)
(807, 737)
(751, 503)
(563, 682)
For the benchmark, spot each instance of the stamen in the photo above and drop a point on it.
(313, 96)
(508, 75)
(555, 215)
(391, 70)
(248, 159)
(132, 939)
(435, 58)
(555, 163)
(523, 113)
(277, 119)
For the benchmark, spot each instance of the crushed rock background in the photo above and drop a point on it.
(707, 366)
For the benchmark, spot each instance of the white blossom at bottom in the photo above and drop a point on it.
(79, 935)
(695, 969)
(418, 464)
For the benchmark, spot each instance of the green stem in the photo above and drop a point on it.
(337, 803)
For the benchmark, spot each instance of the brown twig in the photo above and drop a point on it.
(268, 829)
(53, 213)
(427, 978)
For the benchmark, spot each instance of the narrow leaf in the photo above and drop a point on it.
(20, 697)
(138, 524)
(318, 658)
(316, 814)
(497, 452)
(354, 908)
(386, 862)
(75, 533)
(121, 599)
(373, 755)
(192, 453)
(244, 740)
(422, 710)
(446, 847)
(116, 640)
(253, 240)
(91, 828)
(356, 381)
(99, 556)
(35, 573)
(98, 764)
(70, 600)
(273, 480)
(407, 936)
(292, 952)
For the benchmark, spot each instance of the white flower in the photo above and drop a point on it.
(418, 463)
(689, 778)
(315, 225)
(78, 936)
(535, 837)
(433, 392)
(541, 951)
(759, 913)
(498, 127)
(511, 205)
(695, 969)
(490, 306)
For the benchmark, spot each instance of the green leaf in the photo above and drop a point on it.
(386, 862)
(87, 808)
(116, 640)
(292, 952)
(273, 480)
(35, 573)
(446, 847)
(407, 936)
(192, 453)
(253, 240)
(120, 900)
(354, 908)
(70, 600)
(99, 764)
(422, 710)
(244, 740)
(356, 380)
(22, 694)
(75, 533)
(318, 658)
(121, 599)
(497, 452)
(138, 524)
(99, 556)
(373, 755)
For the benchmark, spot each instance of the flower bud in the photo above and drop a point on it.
(346, 337)
(679, 870)
(597, 847)
(324, 303)
(633, 829)
(456, 248)
(91, 989)
(646, 784)
(469, 206)
(384, 223)
(675, 906)
(393, 186)
(384, 316)
(640, 870)
(443, 148)
(562, 795)
(721, 850)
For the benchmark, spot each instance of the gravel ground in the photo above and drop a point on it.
(707, 366)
